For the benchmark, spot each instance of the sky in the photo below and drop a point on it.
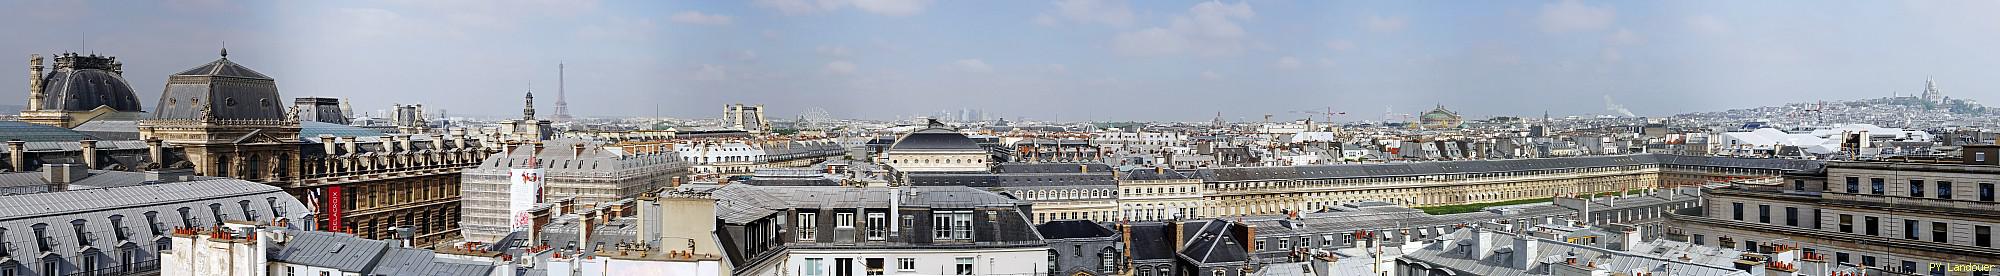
(1066, 60)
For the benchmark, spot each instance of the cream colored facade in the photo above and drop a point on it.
(1265, 197)
(1094, 203)
(1159, 199)
(1917, 218)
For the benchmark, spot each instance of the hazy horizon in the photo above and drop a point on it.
(1073, 59)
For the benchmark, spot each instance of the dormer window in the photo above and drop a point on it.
(82, 236)
(118, 226)
(215, 210)
(41, 237)
(153, 222)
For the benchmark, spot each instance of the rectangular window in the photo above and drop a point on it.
(1736, 211)
(1982, 236)
(874, 266)
(906, 264)
(1944, 190)
(843, 266)
(1798, 185)
(1916, 188)
(1872, 227)
(1846, 223)
(1868, 260)
(1763, 213)
(1910, 229)
(812, 268)
(1815, 219)
(1940, 232)
(1986, 192)
(843, 220)
(951, 225)
(1875, 186)
(1854, 185)
(1791, 216)
(1841, 258)
(1699, 239)
(1284, 244)
(808, 227)
(878, 225)
(963, 266)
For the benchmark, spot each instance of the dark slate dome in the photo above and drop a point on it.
(935, 137)
(83, 83)
(225, 89)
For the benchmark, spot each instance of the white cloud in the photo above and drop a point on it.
(1209, 29)
(711, 72)
(892, 7)
(1210, 75)
(1707, 24)
(834, 51)
(972, 65)
(696, 17)
(1625, 37)
(620, 28)
(1149, 42)
(1611, 55)
(1289, 63)
(798, 7)
(1571, 15)
(842, 67)
(1340, 45)
(1114, 13)
(1381, 24)
(882, 7)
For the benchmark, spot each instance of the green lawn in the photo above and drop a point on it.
(1475, 207)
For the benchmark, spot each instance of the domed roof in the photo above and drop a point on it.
(1441, 118)
(934, 137)
(83, 83)
(221, 89)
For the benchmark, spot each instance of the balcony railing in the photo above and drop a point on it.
(150, 267)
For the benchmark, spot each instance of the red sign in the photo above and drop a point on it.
(333, 209)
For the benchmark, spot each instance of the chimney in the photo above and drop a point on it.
(576, 150)
(403, 143)
(89, 153)
(61, 175)
(1249, 238)
(17, 155)
(538, 148)
(388, 143)
(155, 152)
(326, 142)
(437, 142)
(895, 207)
(1174, 230)
(457, 137)
(1525, 248)
(348, 142)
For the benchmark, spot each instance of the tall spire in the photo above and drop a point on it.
(528, 108)
(562, 104)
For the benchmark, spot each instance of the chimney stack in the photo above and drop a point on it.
(61, 175)
(17, 156)
(326, 142)
(576, 150)
(34, 83)
(156, 152)
(348, 142)
(388, 144)
(403, 143)
(89, 153)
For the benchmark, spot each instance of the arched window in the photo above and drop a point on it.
(1053, 256)
(1108, 260)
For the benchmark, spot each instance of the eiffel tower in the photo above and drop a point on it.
(562, 105)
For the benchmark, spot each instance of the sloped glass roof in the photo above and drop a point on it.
(314, 129)
(24, 131)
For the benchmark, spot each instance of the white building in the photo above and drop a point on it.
(256, 250)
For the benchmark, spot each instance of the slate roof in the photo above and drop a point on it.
(1482, 166)
(1215, 242)
(934, 139)
(1072, 229)
(744, 203)
(222, 67)
(1017, 167)
(348, 253)
(131, 203)
(84, 89)
(1448, 254)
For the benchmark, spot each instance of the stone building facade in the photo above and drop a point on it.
(587, 171)
(1922, 217)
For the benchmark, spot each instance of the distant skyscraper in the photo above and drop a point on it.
(562, 102)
